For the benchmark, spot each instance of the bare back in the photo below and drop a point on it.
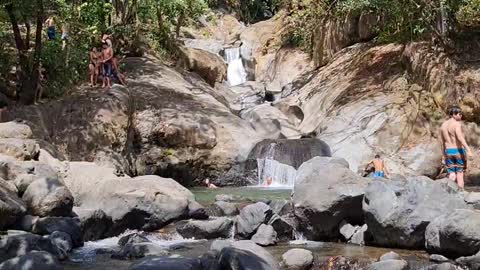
(378, 165)
(449, 133)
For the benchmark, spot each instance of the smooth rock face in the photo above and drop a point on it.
(71, 226)
(164, 263)
(16, 130)
(95, 224)
(265, 236)
(48, 197)
(471, 262)
(35, 260)
(17, 245)
(12, 208)
(389, 265)
(455, 234)
(251, 217)
(284, 226)
(144, 202)
(341, 198)
(390, 256)
(297, 259)
(398, 212)
(205, 229)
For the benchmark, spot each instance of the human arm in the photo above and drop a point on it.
(108, 55)
(461, 138)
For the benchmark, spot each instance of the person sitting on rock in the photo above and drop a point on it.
(268, 182)
(208, 184)
(380, 168)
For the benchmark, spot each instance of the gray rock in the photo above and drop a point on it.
(473, 199)
(133, 238)
(297, 259)
(94, 223)
(250, 246)
(251, 217)
(341, 198)
(390, 256)
(26, 223)
(471, 262)
(358, 237)
(228, 208)
(20, 149)
(71, 226)
(23, 181)
(398, 212)
(133, 251)
(164, 263)
(200, 214)
(347, 230)
(455, 234)
(12, 208)
(35, 260)
(265, 235)
(218, 245)
(242, 259)
(281, 207)
(15, 129)
(20, 244)
(444, 266)
(62, 241)
(219, 227)
(389, 265)
(284, 227)
(48, 197)
(15, 169)
(438, 258)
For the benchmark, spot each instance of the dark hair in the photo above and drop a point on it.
(454, 110)
(377, 156)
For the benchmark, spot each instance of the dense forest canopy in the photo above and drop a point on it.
(28, 61)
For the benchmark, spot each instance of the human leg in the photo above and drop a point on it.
(460, 181)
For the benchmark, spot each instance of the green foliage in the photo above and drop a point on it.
(468, 14)
(249, 11)
(302, 20)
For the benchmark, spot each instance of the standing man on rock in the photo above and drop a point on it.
(454, 146)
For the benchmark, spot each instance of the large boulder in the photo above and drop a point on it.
(144, 202)
(12, 208)
(470, 262)
(205, 229)
(48, 197)
(35, 260)
(209, 66)
(228, 208)
(324, 195)
(95, 224)
(14, 129)
(240, 252)
(398, 212)
(49, 225)
(265, 235)
(164, 263)
(455, 234)
(20, 149)
(297, 259)
(251, 217)
(20, 244)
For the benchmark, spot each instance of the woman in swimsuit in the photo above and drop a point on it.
(93, 66)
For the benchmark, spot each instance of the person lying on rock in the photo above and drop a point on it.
(208, 184)
(381, 170)
(454, 146)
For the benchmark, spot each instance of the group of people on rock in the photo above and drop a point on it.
(454, 146)
(104, 63)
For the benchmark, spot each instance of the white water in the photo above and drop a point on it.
(282, 175)
(236, 73)
(88, 252)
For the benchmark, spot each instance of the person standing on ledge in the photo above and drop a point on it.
(379, 166)
(454, 146)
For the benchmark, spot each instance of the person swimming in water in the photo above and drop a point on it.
(208, 184)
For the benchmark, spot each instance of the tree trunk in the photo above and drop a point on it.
(27, 36)
(160, 19)
(180, 20)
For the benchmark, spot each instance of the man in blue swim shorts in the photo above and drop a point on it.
(454, 146)
(380, 170)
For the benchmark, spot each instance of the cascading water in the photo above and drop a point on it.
(282, 175)
(236, 73)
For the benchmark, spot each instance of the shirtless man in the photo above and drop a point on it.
(208, 184)
(380, 168)
(107, 54)
(454, 146)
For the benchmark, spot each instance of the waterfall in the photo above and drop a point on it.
(282, 175)
(233, 230)
(236, 73)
